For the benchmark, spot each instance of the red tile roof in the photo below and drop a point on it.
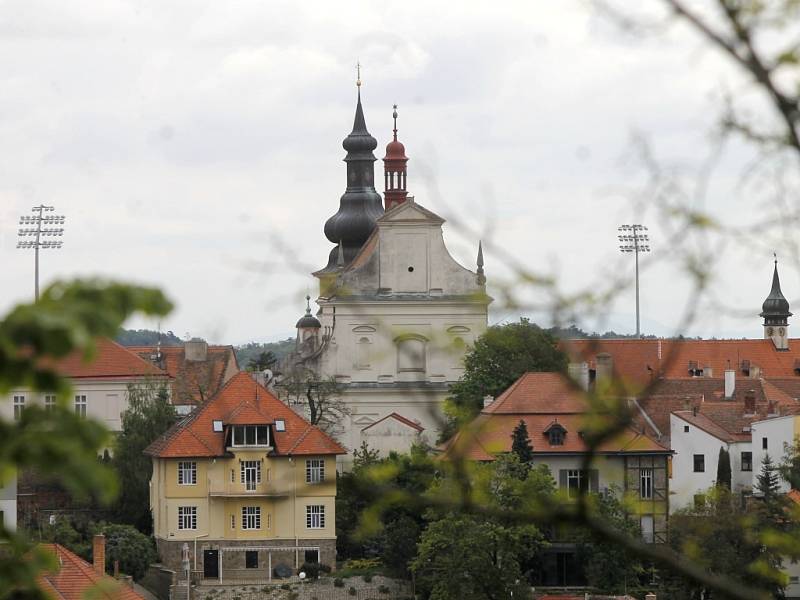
(670, 358)
(397, 417)
(76, 577)
(194, 380)
(110, 361)
(242, 400)
(540, 400)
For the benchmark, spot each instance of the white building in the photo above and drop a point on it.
(8, 503)
(774, 436)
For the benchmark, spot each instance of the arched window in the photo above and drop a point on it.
(411, 354)
(362, 353)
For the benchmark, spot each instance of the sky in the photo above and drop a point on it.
(196, 146)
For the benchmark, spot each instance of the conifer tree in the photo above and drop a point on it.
(521, 443)
(767, 482)
(724, 469)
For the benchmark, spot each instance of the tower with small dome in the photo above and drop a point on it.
(775, 312)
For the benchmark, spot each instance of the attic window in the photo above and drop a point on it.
(217, 426)
(280, 425)
(555, 434)
(251, 435)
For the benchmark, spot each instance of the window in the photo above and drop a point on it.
(764, 443)
(187, 517)
(648, 529)
(315, 516)
(233, 476)
(251, 517)
(187, 473)
(315, 470)
(646, 483)
(250, 435)
(251, 559)
(411, 355)
(80, 406)
(362, 353)
(556, 436)
(49, 402)
(685, 429)
(251, 474)
(19, 406)
(699, 463)
(747, 461)
(280, 425)
(575, 482)
(233, 521)
(216, 425)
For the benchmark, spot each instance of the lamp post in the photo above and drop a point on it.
(35, 230)
(633, 239)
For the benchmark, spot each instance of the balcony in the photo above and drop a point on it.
(236, 489)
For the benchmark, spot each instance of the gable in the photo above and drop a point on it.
(410, 211)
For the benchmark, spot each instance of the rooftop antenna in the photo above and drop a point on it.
(632, 239)
(36, 231)
(358, 74)
(394, 116)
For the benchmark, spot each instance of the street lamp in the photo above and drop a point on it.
(33, 229)
(632, 238)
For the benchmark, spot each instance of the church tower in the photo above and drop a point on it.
(775, 311)
(394, 170)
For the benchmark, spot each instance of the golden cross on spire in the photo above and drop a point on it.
(358, 71)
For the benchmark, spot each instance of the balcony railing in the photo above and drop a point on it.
(217, 487)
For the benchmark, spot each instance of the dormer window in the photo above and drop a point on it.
(555, 434)
(280, 425)
(217, 426)
(250, 435)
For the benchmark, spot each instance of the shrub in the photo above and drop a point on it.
(352, 591)
(338, 582)
(310, 569)
(362, 563)
(285, 586)
(293, 596)
(368, 577)
(324, 568)
(383, 589)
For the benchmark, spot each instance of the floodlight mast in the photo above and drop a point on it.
(632, 238)
(36, 231)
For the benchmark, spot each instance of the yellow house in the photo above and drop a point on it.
(245, 484)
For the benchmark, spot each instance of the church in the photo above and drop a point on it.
(396, 311)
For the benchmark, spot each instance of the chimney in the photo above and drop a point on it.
(604, 366)
(730, 383)
(579, 373)
(99, 553)
(487, 400)
(195, 350)
(694, 410)
(750, 402)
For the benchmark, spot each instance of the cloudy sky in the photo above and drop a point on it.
(197, 146)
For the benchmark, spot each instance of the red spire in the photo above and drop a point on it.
(394, 170)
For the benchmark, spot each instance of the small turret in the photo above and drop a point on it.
(394, 170)
(775, 312)
(308, 328)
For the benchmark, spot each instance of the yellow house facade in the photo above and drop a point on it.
(246, 484)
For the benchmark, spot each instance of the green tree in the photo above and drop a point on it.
(768, 481)
(724, 468)
(399, 543)
(149, 414)
(133, 550)
(263, 360)
(68, 317)
(789, 467)
(521, 443)
(498, 358)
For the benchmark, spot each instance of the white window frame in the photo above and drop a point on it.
(80, 405)
(315, 470)
(646, 483)
(187, 472)
(49, 402)
(315, 516)
(250, 465)
(251, 517)
(187, 518)
(577, 476)
(246, 429)
(19, 406)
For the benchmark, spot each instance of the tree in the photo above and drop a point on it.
(521, 443)
(724, 468)
(263, 360)
(149, 414)
(767, 483)
(131, 548)
(68, 317)
(789, 467)
(498, 358)
(320, 396)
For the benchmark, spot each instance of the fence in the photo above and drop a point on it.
(355, 588)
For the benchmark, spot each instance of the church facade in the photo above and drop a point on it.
(396, 311)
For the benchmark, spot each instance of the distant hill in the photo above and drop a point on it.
(148, 337)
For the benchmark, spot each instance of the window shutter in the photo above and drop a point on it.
(594, 480)
(562, 479)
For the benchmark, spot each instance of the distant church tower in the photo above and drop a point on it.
(396, 311)
(775, 311)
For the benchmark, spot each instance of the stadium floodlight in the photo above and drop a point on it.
(33, 229)
(633, 239)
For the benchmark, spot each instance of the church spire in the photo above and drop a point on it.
(775, 312)
(360, 206)
(394, 170)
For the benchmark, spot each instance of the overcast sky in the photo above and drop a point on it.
(183, 139)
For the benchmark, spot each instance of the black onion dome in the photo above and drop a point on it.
(776, 305)
(360, 206)
(308, 321)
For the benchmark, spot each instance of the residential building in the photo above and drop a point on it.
(773, 437)
(396, 311)
(76, 579)
(246, 483)
(196, 370)
(8, 502)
